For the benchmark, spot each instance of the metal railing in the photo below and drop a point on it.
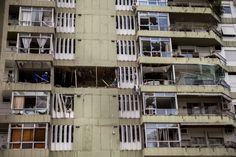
(188, 3)
(154, 82)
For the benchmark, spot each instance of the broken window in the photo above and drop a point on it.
(34, 43)
(28, 136)
(127, 77)
(64, 48)
(126, 50)
(65, 22)
(130, 137)
(66, 3)
(30, 103)
(62, 137)
(162, 135)
(153, 21)
(32, 16)
(129, 106)
(125, 25)
(63, 106)
(155, 47)
(85, 77)
(158, 74)
(33, 72)
(200, 75)
(160, 104)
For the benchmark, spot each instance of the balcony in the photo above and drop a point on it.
(34, 18)
(204, 152)
(37, 3)
(167, 76)
(27, 76)
(184, 7)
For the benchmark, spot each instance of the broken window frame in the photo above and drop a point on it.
(156, 53)
(127, 77)
(25, 48)
(170, 70)
(155, 142)
(60, 108)
(154, 109)
(22, 127)
(29, 111)
(62, 137)
(34, 12)
(161, 20)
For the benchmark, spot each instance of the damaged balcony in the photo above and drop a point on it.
(31, 17)
(25, 107)
(160, 104)
(164, 25)
(153, 75)
(27, 76)
(182, 75)
(199, 9)
(174, 135)
(178, 108)
(83, 77)
(165, 50)
(195, 136)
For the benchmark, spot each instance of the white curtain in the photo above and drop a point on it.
(26, 43)
(42, 41)
(26, 18)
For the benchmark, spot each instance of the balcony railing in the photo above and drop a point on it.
(154, 82)
(188, 4)
(166, 112)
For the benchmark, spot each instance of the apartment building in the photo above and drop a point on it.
(117, 78)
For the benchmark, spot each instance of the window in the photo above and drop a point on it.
(129, 106)
(228, 31)
(162, 135)
(126, 50)
(30, 16)
(30, 103)
(34, 43)
(159, 104)
(226, 9)
(66, 3)
(127, 77)
(28, 136)
(62, 137)
(63, 106)
(130, 137)
(153, 2)
(153, 21)
(65, 22)
(155, 47)
(124, 4)
(125, 25)
(64, 48)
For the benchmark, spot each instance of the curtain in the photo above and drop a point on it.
(26, 43)
(37, 16)
(26, 18)
(19, 102)
(42, 41)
